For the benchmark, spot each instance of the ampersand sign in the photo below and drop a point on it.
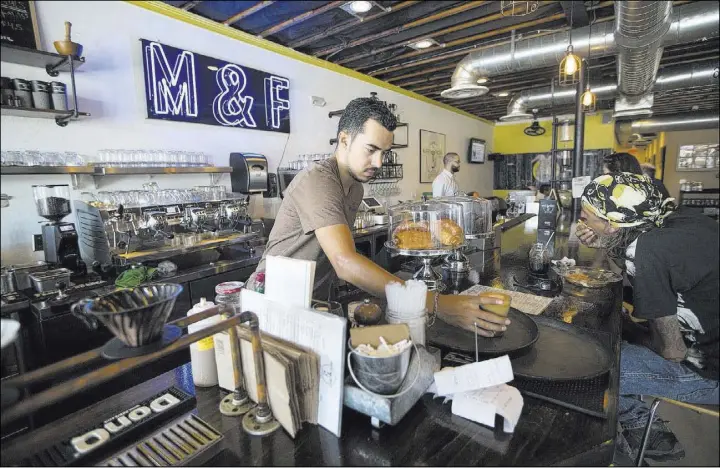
(230, 107)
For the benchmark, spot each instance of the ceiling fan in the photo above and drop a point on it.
(534, 129)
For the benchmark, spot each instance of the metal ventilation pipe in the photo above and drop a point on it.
(691, 22)
(639, 29)
(678, 77)
(676, 123)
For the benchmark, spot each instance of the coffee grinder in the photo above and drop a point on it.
(60, 240)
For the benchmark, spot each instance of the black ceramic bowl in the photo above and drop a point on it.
(135, 316)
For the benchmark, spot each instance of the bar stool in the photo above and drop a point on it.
(711, 410)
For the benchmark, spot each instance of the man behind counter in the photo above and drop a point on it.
(445, 184)
(319, 207)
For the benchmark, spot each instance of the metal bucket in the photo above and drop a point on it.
(381, 375)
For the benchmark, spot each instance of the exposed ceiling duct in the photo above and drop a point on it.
(639, 30)
(678, 77)
(690, 22)
(624, 130)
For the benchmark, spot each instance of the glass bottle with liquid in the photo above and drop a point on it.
(539, 259)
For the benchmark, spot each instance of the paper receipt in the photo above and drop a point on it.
(475, 376)
(482, 405)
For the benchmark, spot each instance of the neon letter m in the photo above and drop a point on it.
(173, 90)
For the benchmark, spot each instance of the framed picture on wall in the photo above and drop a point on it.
(432, 151)
(698, 158)
(476, 151)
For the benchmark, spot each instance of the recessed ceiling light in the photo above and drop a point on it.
(423, 44)
(503, 94)
(482, 80)
(361, 6)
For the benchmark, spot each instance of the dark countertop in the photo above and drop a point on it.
(429, 434)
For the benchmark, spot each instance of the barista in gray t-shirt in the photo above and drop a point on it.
(319, 207)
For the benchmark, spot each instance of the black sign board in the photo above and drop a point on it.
(19, 24)
(100, 438)
(187, 87)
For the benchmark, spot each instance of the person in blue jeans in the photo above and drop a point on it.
(671, 258)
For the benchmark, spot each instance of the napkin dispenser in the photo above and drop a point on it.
(249, 173)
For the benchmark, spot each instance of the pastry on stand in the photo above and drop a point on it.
(425, 230)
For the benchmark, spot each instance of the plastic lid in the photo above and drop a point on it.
(229, 287)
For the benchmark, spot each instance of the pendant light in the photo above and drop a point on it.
(588, 98)
(570, 64)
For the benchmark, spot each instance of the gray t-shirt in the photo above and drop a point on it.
(314, 199)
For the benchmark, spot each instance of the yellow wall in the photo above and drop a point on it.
(510, 139)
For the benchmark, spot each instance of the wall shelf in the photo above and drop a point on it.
(53, 65)
(51, 62)
(35, 170)
(61, 117)
(99, 171)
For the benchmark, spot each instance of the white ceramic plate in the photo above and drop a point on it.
(10, 329)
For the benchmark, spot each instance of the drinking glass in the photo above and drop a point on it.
(331, 307)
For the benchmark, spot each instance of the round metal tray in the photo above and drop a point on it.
(562, 352)
(439, 252)
(520, 335)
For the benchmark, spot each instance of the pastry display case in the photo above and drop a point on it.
(425, 228)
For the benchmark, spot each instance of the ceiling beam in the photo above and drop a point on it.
(350, 23)
(575, 13)
(434, 34)
(187, 6)
(300, 18)
(247, 12)
(465, 6)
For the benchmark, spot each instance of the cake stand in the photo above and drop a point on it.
(426, 273)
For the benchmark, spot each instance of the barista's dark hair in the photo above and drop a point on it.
(359, 111)
(622, 162)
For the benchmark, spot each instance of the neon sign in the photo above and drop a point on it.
(183, 86)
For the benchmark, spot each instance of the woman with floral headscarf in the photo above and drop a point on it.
(671, 257)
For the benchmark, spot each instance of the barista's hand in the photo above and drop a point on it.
(587, 236)
(465, 312)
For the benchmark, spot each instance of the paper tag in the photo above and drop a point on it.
(579, 184)
(473, 376)
(482, 405)
(205, 344)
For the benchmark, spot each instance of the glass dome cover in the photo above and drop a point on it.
(421, 228)
(477, 214)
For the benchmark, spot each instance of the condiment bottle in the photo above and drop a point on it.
(202, 353)
(367, 314)
(228, 293)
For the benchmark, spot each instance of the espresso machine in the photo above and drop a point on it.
(60, 239)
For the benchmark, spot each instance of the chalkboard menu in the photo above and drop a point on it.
(19, 24)
(187, 87)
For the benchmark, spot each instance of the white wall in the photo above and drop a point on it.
(111, 88)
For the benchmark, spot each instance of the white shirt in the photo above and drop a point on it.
(444, 185)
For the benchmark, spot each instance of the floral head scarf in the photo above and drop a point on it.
(627, 200)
